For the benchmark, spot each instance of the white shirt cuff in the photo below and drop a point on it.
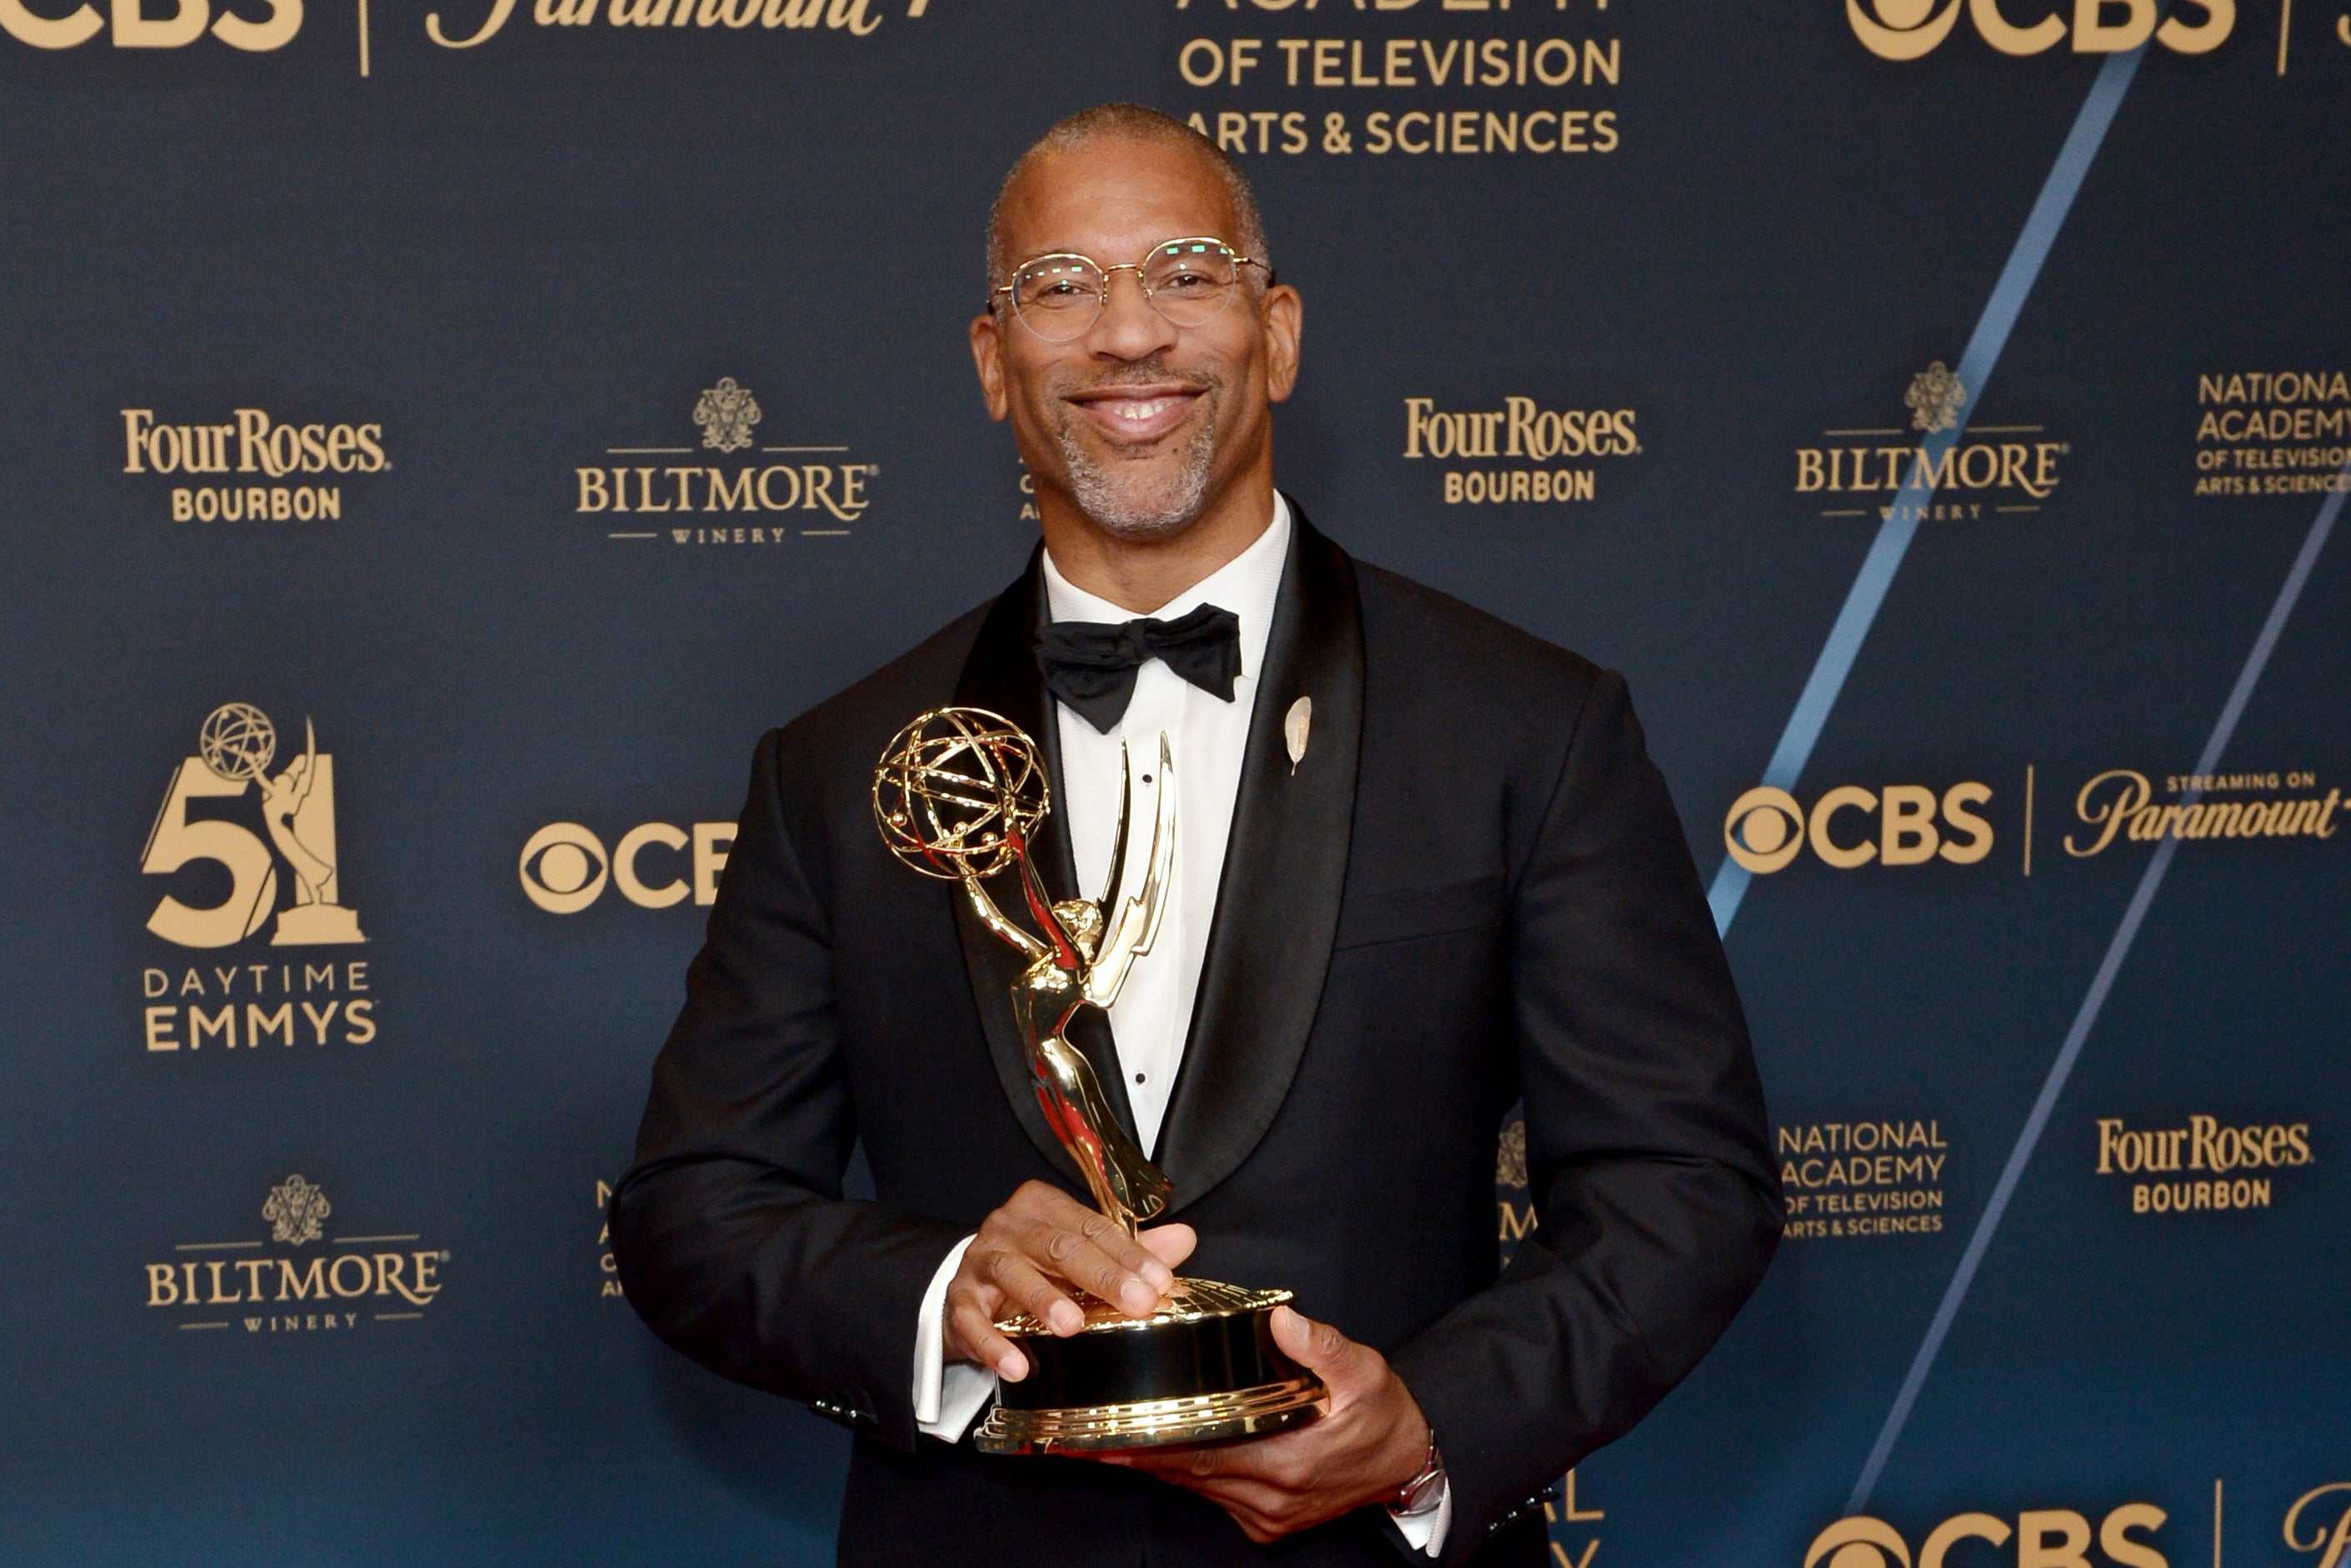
(1426, 1531)
(946, 1396)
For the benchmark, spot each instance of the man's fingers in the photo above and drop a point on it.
(1084, 1262)
(1084, 1247)
(1269, 1487)
(1267, 1463)
(1171, 1244)
(1239, 1492)
(967, 1288)
(1023, 1283)
(1100, 1258)
(1265, 1512)
(977, 1328)
(1133, 1259)
(1280, 1468)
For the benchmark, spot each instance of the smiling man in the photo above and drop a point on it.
(1424, 870)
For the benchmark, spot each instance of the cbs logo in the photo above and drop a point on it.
(1907, 29)
(2045, 1538)
(564, 866)
(1767, 828)
(135, 29)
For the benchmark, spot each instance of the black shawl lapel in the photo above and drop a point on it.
(1285, 867)
(1000, 674)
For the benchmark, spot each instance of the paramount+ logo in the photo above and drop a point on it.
(2041, 1538)
(1849, 826)
(1908, 29)
(2333, 1544)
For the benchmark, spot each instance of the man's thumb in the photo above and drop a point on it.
(1318, 1348)
(1171, 1244)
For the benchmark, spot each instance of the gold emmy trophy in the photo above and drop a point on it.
(958, 796)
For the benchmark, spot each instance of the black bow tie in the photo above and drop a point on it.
(1090, 664)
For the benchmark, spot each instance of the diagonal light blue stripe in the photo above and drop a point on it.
(2092, 1003)
(1893, 535)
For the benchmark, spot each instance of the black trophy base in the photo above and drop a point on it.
(1202, 1369)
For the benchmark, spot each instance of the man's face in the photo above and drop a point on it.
(1140, 424)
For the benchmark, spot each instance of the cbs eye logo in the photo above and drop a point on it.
(135, 29)
(2044, 1538)
(565, 867)
(1767, 828)
(1907, 29)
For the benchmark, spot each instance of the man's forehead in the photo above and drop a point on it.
(1115, 190)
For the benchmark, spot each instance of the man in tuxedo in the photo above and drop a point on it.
(1424, 869)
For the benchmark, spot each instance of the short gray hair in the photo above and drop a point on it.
(1128, 122)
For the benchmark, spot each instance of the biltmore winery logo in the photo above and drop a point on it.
(1919, 471)
(312, 1272)
(726, 487)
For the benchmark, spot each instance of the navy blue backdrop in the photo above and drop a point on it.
(1938, 409)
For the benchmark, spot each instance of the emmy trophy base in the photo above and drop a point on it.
(313, 924)
(1202, 1369)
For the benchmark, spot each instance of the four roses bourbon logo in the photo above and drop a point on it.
(766, 497)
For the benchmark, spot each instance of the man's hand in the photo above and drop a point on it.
(1372, 1440)
(1028, 1252)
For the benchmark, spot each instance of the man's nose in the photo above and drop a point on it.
(1130, 327)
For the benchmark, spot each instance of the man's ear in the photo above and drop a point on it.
(1284, 315)
(987, 356)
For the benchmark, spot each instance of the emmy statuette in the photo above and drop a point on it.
(958, 796)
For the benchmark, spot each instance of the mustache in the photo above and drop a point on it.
(1153, 372)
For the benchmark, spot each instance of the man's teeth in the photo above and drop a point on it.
(1141, 409)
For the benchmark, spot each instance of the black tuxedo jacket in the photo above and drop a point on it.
(1472, 890)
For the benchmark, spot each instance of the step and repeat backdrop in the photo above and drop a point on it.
(441, 435)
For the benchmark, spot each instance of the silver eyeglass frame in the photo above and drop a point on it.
(1101, 299)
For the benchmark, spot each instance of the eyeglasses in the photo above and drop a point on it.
(1188, 282)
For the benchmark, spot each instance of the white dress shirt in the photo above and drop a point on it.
(1206, 738)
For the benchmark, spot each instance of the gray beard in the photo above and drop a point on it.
(1128, 506)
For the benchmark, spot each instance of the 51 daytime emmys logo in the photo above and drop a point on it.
(1908, 29)
(228, 881)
